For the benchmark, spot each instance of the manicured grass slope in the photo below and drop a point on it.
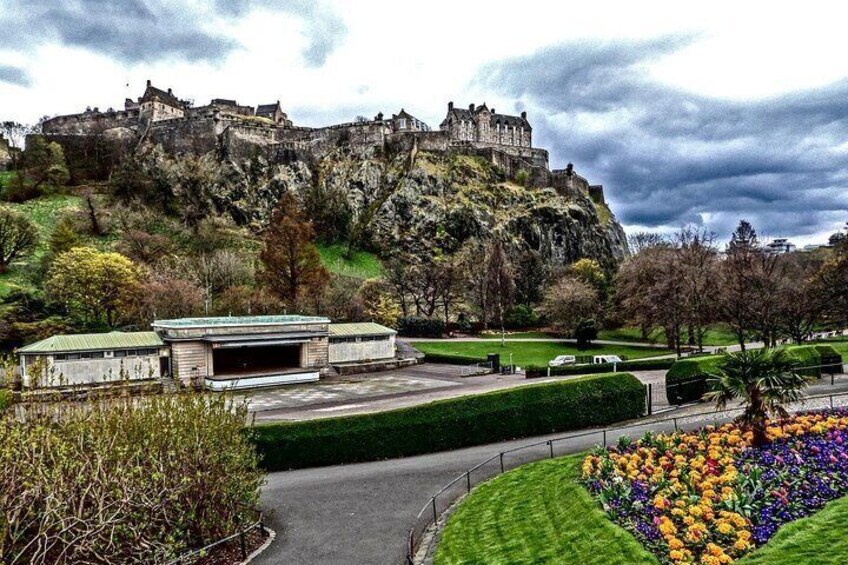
(452, 423)
(536, 353)
(537, 514)
(819, 539)
(362, 265)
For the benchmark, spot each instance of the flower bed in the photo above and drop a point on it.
(708, 497)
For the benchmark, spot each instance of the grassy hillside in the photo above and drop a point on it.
(362, 265)
(44, 212)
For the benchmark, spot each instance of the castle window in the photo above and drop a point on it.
(402, 123)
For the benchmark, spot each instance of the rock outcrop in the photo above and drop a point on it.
(413, 199)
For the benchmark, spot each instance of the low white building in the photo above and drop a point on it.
(220, 353)
(361, 342)
(85, 359)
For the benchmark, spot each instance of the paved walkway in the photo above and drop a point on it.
(374, 392)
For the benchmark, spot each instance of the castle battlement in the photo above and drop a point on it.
(239, 131)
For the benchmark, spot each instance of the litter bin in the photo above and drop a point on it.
(494, 360)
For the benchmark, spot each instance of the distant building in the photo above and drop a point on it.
(482, 125)
(220, 353)
(404, 121)
(157, 105)
(82, 359)
(274, 113)
(780, 246)
(231, 107)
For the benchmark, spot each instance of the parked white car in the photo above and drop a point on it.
(561, 360)
(601, 359)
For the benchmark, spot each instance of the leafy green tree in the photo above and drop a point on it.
(18, 236)
(99, 286)
(44, 162)
(764, 380)
(585, 334)
(590, 272)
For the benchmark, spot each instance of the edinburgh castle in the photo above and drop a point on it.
(238, 131)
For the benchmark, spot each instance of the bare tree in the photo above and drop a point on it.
(568, 302)
(500, 283)
(698, 258)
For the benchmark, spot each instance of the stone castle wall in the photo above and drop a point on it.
(91, 123)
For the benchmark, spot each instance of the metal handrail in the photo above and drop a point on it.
(186, 558)
(430, 508)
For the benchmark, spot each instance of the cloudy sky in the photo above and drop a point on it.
(687, 114)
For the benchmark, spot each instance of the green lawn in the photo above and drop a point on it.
(537, 514)
(44, 212)
(818, 539)
(362, 265)
(718, 335)
(536, 353)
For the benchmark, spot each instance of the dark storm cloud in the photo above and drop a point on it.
(666, 155)
(130, 30)
(14, 75)
(144, 31)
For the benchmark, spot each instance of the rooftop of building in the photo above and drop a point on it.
(235, 321)
(151, 93)
(472, 112)
(359, 329)
(94, 342)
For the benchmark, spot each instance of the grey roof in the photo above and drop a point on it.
(494, 119)
(94, 342)
(232, 321)
(224, 102)
(157, 93)
(359, 329)
(505, 120)
(267, 108)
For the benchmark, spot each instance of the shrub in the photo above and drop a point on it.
(453, 423)
(520, 317)
(637, 365)
(447, 358)
(831, 360)
(686, 381)
(7, 397)
(124, 481)
(416, 326)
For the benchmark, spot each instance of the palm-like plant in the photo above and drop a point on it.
(764, 380)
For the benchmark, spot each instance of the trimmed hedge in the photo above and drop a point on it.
(416, 326)
(686, 381)
(452, 359)
(636, 365)
(452, 423)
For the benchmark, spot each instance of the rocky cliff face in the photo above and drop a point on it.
(415, 199)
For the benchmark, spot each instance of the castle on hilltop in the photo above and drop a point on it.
(235, 131)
